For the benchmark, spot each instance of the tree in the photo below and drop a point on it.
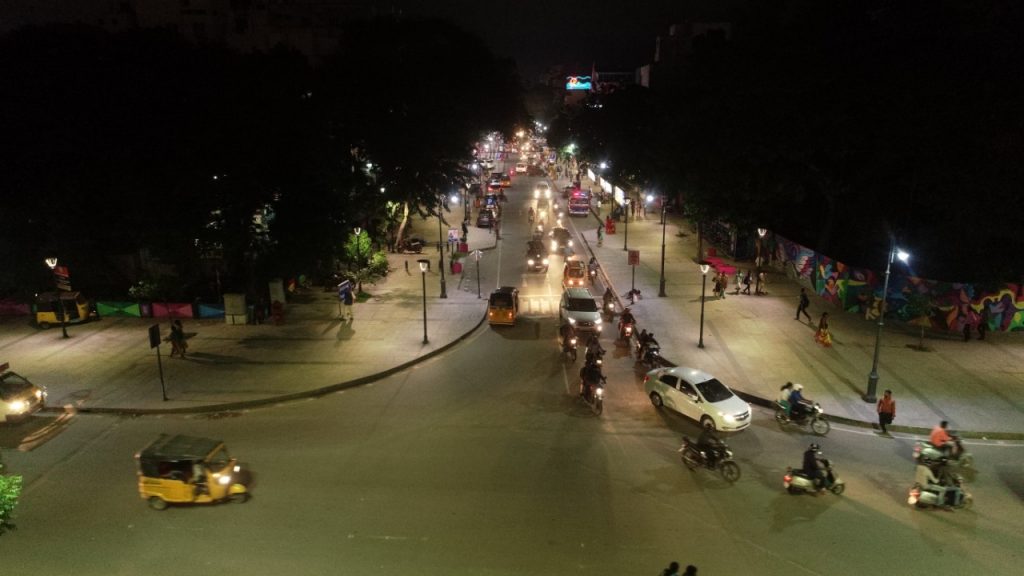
(10, 491)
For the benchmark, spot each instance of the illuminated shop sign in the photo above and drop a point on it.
(577, 83)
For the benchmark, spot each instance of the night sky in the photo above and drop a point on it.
(616, 34)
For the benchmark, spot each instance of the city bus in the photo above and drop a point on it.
(579, 202)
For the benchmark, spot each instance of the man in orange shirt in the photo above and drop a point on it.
(886, 411)
(940, 438)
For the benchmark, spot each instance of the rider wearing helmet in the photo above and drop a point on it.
(812, 465)
(797, 403)
(626, 318)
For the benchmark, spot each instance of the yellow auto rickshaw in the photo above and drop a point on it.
(49, 305)
(503, 306)
(188, 470)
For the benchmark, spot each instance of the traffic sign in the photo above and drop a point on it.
(634, 258)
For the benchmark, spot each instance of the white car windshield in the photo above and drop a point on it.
(713, 390)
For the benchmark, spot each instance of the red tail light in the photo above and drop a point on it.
(787, 478)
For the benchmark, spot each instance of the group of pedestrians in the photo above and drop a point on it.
(673, 570)
(744, 281)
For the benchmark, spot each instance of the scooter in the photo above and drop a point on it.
(722, 462)
(813, 415)
(796, 481)
(609, 310)
(649, 355)
(625, 331)
(927, 452)
(925, 497)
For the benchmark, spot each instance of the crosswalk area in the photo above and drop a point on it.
(540, 305)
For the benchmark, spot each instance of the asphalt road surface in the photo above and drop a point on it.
(484, 461)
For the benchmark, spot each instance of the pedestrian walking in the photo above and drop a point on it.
(983, 322)
(717, 290)
(823, 336)
(178, 343)
(762, 281)
(672, 570)
(739, 280)
(347, 300)
(967, 330)
(724, 278)
(691, 570)
(746, 283)
(802, 307)
(886, 411)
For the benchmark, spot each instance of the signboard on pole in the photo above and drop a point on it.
(634, 258)
(62, 277)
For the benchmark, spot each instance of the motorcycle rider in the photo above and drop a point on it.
(626, 318)
(592, 267)
(644, 340)
(797, 402)
(567, 331)
(531, 214)
(941, 439)
(709, 445)
(813, 466)
(607, 299)
(784, 393)
(594, 349)
(590, 375)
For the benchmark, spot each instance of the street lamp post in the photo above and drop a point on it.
(440, 244)
(58, 307)
(423, 273)
(625, 239)
(760, 240)
(661, 281)
(703, 290)
(873, 376)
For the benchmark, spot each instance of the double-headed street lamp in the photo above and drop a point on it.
(440, 244)
(58, 304)
(703, 290)
(424, 264)
(873, 376)
(760, 240)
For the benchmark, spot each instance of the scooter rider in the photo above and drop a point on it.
(607, 299)
(926, 479)
(784, 393)
(812, 466)
(594, 349)
(941, 439)
(645, 339)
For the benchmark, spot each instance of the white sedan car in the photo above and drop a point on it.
(699, 396)
(521, 168)
(18, 397)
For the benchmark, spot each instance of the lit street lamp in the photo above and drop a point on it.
(423, 273)
(760, 240)
(703, 290)
(873, 376)
(58, 304)
(440, 244)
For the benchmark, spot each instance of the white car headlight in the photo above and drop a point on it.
(570, 243)
(547, 193)
(545, 261)
(554, 245)
(572, 320)
(728, 418)
(224, 480)
(598, 321)
(18, 406)
(530, 261)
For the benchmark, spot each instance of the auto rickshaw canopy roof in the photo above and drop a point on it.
(179, 448)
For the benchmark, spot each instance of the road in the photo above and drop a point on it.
(483, 461)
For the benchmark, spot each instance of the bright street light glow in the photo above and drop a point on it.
(903, 256)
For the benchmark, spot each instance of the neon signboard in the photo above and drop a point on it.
(577, 83)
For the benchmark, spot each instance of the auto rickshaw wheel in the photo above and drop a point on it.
(44, 325)
(240, 498)
(157, 503)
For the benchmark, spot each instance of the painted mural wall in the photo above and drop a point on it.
(947, 306)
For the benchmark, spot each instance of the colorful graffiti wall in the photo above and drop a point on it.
(948, 306)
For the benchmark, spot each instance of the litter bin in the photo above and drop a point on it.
(456, 267)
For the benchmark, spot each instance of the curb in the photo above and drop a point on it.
(314, 393)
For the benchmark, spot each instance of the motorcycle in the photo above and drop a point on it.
(813, 415)
(925, 497)
(649, 354)
(592, 270)
(569, 348)
(927, 452)
(609, 310)
(625, 331)
(796, 481)
(722, 461)
(593, 394)
(413, 245)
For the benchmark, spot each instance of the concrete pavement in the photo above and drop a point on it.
(754, 344)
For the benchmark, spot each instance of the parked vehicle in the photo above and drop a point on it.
(73, 306)
(188, 470)
(412, 244)
(699, 396)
